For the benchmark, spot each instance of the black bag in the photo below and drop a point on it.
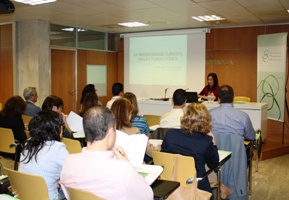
(4, 183)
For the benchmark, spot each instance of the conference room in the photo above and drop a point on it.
(33, 55)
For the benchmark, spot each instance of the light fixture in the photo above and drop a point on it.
(72, 29)
(208, 18)
(132, 24)
(35, 2)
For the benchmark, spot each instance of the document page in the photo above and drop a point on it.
(150, 172)
(74, 122)
(133, 145)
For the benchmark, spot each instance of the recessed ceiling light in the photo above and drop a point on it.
(34, 2)
(208, 18)
(132, 24)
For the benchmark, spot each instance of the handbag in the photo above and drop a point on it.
(187, 193)
(4, 182)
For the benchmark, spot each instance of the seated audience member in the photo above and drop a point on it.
(90, 88)
(90, 100)
(44, 154)
(96, 170)
(11, 117)
(227, 119)
(172, 119)
(137, 120)
(122, 109)
(117, 91)
(194, 139)
(211, 88)
(31, 96)
(55, 104)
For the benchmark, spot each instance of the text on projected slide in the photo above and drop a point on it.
(155, 60)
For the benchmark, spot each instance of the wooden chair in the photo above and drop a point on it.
(27, 186)
(77, 194)
(26, 120)
(186, 169)
(152, 119)
(0, 106)
(185, 172)
(242, 98)
(8, 143)
(72, 146)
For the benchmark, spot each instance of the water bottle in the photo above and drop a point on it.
(209, 98)
(212, 97)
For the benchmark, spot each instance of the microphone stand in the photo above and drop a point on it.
(166, 92)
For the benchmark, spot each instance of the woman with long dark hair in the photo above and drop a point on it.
(211, 88)
(43, 154)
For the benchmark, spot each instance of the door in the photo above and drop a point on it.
(62, 77)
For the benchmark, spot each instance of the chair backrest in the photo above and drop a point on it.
(77, 194)
(27, 186)
(152, 119)
(72, 146)
(0, 106)
(6, 139)
(242, 98)
(159, 133)
(186, 166)
(26, 119)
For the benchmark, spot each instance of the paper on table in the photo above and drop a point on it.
(223, 154)
(150, 172)
(74, 122)
(133, 145)
(155, 142)
(154, 127)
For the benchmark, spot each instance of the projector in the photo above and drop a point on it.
(6, 7)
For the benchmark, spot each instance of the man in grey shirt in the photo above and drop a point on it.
(31, 96)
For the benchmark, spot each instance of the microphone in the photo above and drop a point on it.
(166, 92)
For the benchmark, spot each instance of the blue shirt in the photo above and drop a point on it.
(227, 119)
(49, 164)
(141, 123)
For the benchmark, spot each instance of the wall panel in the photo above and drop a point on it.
(6, 63)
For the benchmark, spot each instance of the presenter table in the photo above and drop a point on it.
(256, 111)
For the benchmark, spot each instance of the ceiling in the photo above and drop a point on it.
(103, 15)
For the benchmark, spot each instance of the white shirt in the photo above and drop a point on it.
(110, 102)
(172, 119)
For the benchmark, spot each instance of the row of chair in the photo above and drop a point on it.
(28, 186)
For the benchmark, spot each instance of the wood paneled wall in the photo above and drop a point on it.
(110, 59)
(6, 62)
(239, 47)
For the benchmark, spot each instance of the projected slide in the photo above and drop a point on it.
(155, 60)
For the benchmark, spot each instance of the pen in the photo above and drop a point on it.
(120, 152)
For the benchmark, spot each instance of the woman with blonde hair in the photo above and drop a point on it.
(195, 139)
(122, 109)
(137, 120)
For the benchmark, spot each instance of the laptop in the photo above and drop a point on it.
(192, 97)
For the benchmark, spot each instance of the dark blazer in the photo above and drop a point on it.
(17, 126)
(31, 109)
(197, 145)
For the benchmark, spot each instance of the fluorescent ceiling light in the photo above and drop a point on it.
(208, 18)
(132, 24)
(34, 2)
(72, 29)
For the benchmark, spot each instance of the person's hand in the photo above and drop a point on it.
(25, 126)
(119, 153)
